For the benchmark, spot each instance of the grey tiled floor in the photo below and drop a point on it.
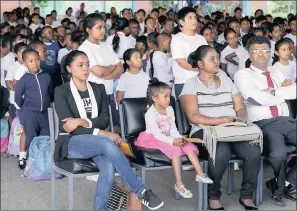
(19, 193)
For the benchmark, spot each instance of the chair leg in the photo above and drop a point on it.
(205, 188)
(200, 195)
(257, 201)
(70, 191)
(177, 196)
(53, 178)
(143, 175)
(230, 178)
(261, 179)
(110, 119)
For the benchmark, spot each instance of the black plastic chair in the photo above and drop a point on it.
(184, 128)
(71, 168)
(132, 111)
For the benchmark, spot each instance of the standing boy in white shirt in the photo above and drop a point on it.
(293, 26)
(161, 67)
(266, 94)
(182, 44)
(140, 18)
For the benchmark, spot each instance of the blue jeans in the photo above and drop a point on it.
(108, 157)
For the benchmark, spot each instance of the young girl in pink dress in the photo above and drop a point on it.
(161, 133)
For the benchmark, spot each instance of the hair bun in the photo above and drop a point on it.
(154, 80)
(192, 60)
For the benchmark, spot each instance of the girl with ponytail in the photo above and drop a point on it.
(281, 62)
(104, 64)
(121, 41)
(134, 82)
(161, 134)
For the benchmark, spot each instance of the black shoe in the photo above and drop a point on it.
(276, 194)
(290, 192)
(220, 208)
(150, 200)
(22, 163)
(247, 207)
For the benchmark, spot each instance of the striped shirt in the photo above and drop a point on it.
(212, 102)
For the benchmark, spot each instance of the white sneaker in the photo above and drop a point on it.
(203, 178)
(187, 194)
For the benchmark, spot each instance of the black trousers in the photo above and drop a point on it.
(4, 104)
(178, 88)
(278, 134)
(292, 174)
(249, 153)
(35, 123)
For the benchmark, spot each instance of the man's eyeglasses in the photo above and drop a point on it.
(256, 51)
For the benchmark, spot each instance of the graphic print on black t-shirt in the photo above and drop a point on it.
(87, 102)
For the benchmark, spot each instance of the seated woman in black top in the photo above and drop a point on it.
(82, 108)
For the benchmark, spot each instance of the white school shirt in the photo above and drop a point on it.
(272, 49)
(292, 37)
(134, 85)
(12, 23)
(133, 40)
(251, 82)
(125, 44)
(35, 26)
(20, 72)
(288, 71)
(181, 47)
(221, 39)
(241, 57)
(72, 18)
(10, 77)
(163, 67)
(142, 27)
(162, 127)
(26, 21)
(102, 55)
(62, 52)
(56, 24)
(5, 65)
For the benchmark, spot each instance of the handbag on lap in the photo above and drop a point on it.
(230, 132)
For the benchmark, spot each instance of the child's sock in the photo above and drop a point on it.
(286, 182)
(22, 155)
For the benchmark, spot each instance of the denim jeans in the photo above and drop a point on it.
(108, 157)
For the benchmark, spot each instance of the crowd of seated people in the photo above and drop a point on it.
(222, 67)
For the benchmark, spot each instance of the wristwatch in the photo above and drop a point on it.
(272, 91)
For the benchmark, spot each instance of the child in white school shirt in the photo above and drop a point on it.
(281, 61)
(134, 82)
(18, 50)
(233, 56)
(161, 66)
(104, 63)
(182, 45)
(121, 41)
(64, 51)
